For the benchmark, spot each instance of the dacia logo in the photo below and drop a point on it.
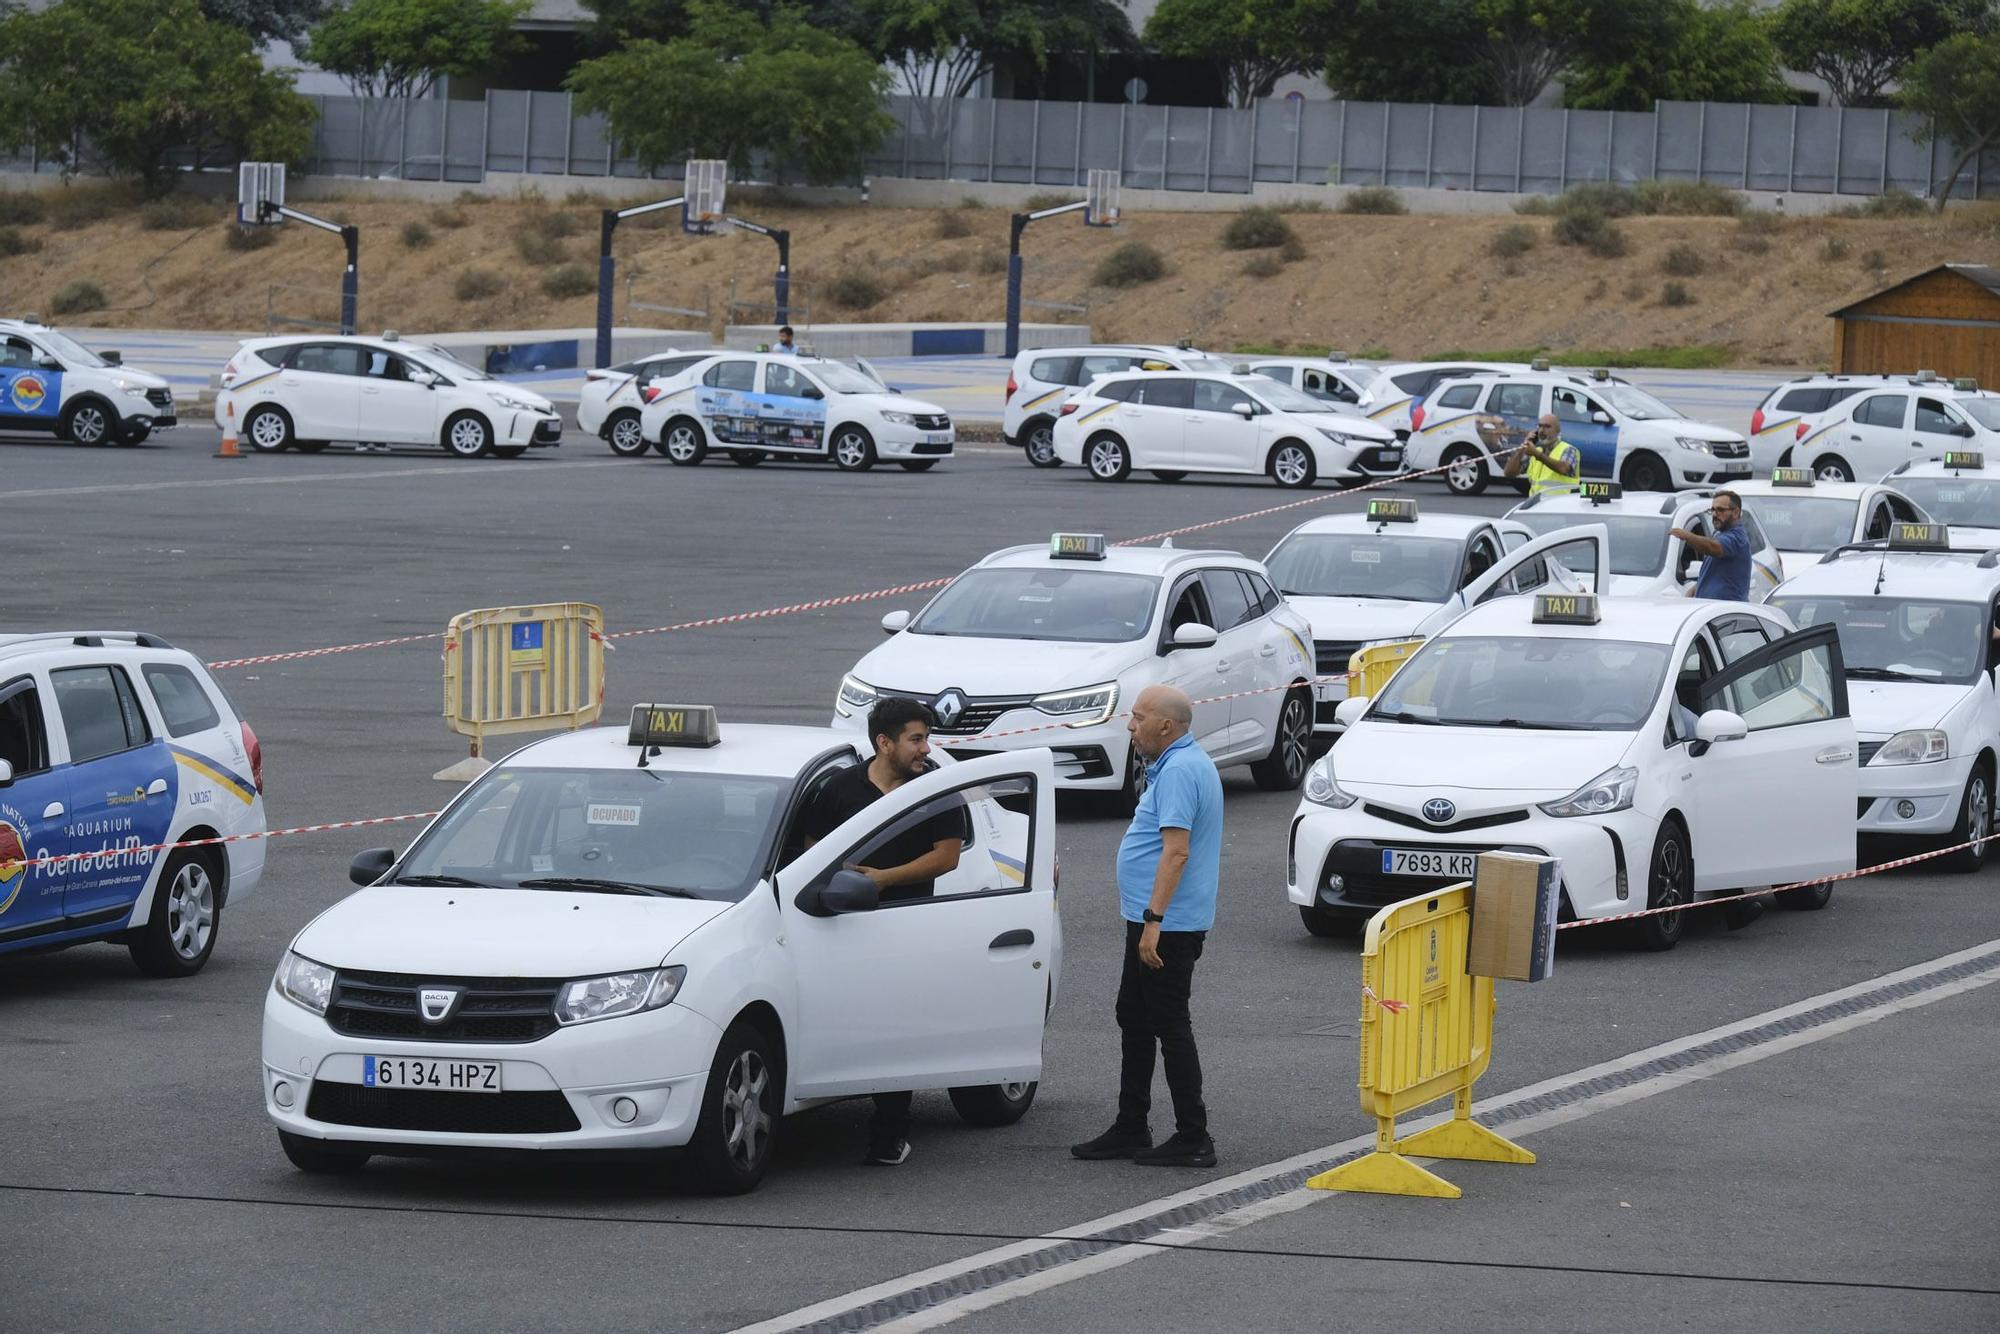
(948, 707)
(436, 1004)
(1440, 810)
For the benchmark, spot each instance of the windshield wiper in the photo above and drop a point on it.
(441, 881)
(1889, 674)
(601, 886)
(1405, 716)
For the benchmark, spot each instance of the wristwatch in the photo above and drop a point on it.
(1150, 916)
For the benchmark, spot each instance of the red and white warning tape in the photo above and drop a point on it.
(819, 604)
(108, 853)
(1320, 499)
(297, 654)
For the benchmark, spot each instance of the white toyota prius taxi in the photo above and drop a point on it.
(1049, 645)
(1961, 491)
(618, 939)
(1664, 749)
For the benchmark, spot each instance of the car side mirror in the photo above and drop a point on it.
(811, 392)
(48, 363)
(1348, 712)
(1243, 410)
(424, 378)
(6, 773)
(1719, 725)
(846, 892)
(112, 358)
(1962, 428)
(1601, 418)
(1193, 635)
(370, 866)
(895, 621)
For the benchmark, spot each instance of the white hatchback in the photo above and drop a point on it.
(49, 382)
(1396, 390)
(1805, 518)
(1913, 419)
(1043, 377)
(609, 404)
(1332, 378)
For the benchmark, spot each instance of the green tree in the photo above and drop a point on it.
(268, 20)
(1719, 52)
(1254, 42)
(1956, 86)
(807, 99)
(1471, 51)
(943, 48)
(398, 48)
(140, 79)
(1405, 51)
(1858, 46)
(1525, 44)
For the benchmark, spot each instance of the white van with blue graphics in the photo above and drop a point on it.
(50, 383)
(112, 744)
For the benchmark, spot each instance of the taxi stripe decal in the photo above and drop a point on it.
(1043, 398)
(1449, 421)
(240, 788)
(1009, 868)
(1385, 411)
(1779, 426)
(1305, 654)
(1095, 412)
(257, 379)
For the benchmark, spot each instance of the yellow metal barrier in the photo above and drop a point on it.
(1426, 1034)
(521, 669)
(1377, 664)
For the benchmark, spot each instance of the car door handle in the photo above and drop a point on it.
(1268, 651)
(157, 788)
(370, 389)
(53, 811)
(1008, 940)
(1834, 755)
(1223, 665)
(1853, 437)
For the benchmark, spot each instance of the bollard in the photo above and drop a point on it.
(228, 449)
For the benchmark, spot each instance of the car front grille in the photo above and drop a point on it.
(1458, 827)
(160, 400)
(1862, 805)
(494, 1009)
(1732, 449)
(932, 421)
(1869, 749)
(550, 429)
(1382, 459)
(979, 714)
(529, 1112)
(931, 447)
(1331, 656)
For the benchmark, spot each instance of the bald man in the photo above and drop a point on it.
(1553, 463)
(1168, 867)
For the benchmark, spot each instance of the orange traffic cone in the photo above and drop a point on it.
(228, 449)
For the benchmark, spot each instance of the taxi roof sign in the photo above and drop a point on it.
(1566, 609)
(1076, 546)
(1919, 537)
(1964, 458)
(1791, 477)
(1597, 493)
(1392, 511)
(674, 725)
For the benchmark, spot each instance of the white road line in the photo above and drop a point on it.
(1222, 1224)
(469, 468)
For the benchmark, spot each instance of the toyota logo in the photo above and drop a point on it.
(1438, 810)
(436, 1004)
(948, 707)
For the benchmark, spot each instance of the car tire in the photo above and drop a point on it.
(186, 919)
(917, 465)
(1126, 799)
(853, 449)
(1038, 442)
(1291, 748)
(746, 458)
(1465, 471)
(267, 429)
(316, 1157)
(626, 435)
(1170, 474)
(1106, 459)
(1291, 465)
(740, 1106)
(994, 1104)
(1832, 468)
(509, 451)
(1669, 880)
(684, 442)
(88, 422)
(1326, 924)
(468, 436)
(1975, 821)
(1645, 472)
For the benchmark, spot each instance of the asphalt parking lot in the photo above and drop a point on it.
(1830, 1171)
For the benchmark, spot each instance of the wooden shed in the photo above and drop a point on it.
(1946, 319)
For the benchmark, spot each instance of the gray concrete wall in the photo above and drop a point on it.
(907, 340)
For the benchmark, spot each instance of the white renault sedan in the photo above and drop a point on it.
(1049, 645)
(1804, 517)
(1173, 424)
(1645, 560)
(1665, 749)
(619, 939)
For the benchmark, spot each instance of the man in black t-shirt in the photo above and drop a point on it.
(904, 860)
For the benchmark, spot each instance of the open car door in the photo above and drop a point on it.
(1570, 560)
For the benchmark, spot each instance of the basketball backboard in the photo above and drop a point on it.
(706, 195)
(257, 184)
(1101, 198)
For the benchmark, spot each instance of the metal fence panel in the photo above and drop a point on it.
(1541, 151)
(1013, 142)
(968, 132)
(1587, 146)
(590, 151)
(1454, 140)
(1678, 132)
(547, 136)
(1185, 134)
(465, 141)
(1229, 152)
(1102, 132)
(506, 130)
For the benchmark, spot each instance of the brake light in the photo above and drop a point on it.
(650, 392)
(1417, 417)
(256, 754)
(1065, 409)
(1011, 387)
(597, 375)
(1800, 434)
(1757, 422)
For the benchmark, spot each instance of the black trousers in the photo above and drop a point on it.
(892, 1117)
(1153, 1012)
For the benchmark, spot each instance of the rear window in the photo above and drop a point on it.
(1415, 383)
(1119, 391)
(184, 705)
(1816, 400)
(1460, 396)
(99, 712)
(1053, 370)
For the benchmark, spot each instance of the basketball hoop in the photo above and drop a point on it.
(1101, 198)
(259, 184)
(706, 196)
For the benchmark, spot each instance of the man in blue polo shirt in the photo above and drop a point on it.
(1725, 575)
(1168, 866)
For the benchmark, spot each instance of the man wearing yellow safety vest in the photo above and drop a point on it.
(1553, 463)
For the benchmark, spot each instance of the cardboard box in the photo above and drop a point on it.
(1514, 901)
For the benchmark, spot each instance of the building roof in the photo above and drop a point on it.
(1985, 275)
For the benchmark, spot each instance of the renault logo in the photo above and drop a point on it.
(437, 1004)
(1438, 810)
(948, 707)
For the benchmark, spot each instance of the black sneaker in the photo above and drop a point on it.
(893, 1153)
(1116, 1142)
(1182, 1150)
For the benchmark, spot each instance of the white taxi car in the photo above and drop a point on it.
(1172, 424)
(1623, 433)
(1645, 560)
(1917, 626)
(1041, 378)
(1396, 390)
(1913, 418)
(1332, 378)
(612, 397)
(1048, 646)
(1961, 490)
(618, 939)
(305, 393)
(51, 382)
(113, 743)
(759, 405)
(1805, 518)
(1792, 411)
(1664, 749)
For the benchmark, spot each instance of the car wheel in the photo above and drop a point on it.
(1645, 472)
(625, 434)
(853, 449)
(1038, 442)
(1169, 474)
(994, 1104)
(1325, 924)
(1975, 821)
(1126, 799)
(746, 458)
(917, 465)
(467, 436)
(509, 451)
(1291, 465)
(267, 430)
(86, 422)
(187, 915)
(319, 1158)
(132, 435)
(1465, 472)
(1669, 881)
(732, 1142)
(1107, 459)
(684, 442)
(1833, 468)
(1291, 748)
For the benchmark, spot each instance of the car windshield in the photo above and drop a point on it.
(1075, 606)
(1636, 403)
(1971, 501)
(1885, 639)
(649, 831)
(1542, 684)
(1638, 541)
(1805, 523)
(446, 362)
(1367, 565)
(841, 379)
(68, 350)
(1285, 398)
(1985, 411)
(1201, 361)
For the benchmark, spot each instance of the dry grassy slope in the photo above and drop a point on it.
(1410, 285)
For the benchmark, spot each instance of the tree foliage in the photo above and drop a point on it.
(1254, 42)
(140, 79)
(399, 48)
(808, 100)
(1405, 51)
(1699, 52)
(943, 48)
(1474, 51)
(268, 20)
(1858, 46)
(1956, 86)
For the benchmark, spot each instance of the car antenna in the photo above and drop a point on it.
(1881, 568)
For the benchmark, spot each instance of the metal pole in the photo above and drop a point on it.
(1792, 151)
(1746, 147)
(1123, 107)
(1884, 189)
(1472, 168)
(319, 135)
(992, 130)
(1430, 142)
(350, 281)
(1208, 154)
(527, 130)
(1076, 154)
(1250, 176)
(363, 153)
(1655, 173)
(607, 277)
(485, 134)
(1611, 146)
(569, 128)
(403, 140)
(1166, 142)
(783, 283)
(1701, 144)
(1034, 148)
(1016, 225)
(1839, 142)
(1520, 142)
(906, 140)
(1562, 162)
(1387, 112)
(1340, 146)
(444, 139)
(1298, 139)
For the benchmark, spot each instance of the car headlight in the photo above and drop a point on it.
(1922, 746)
(1610, 791)
(899, 419)
(304, 983)
(1081, 708)
(1322, 790)
(1698, 446)
(129, 386)
(856, 694)
(1337, 437)
(596, 998)
(518, 404)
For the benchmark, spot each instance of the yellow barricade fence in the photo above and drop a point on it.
(1375, 665)
(521, 669)
(1426, 1034)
